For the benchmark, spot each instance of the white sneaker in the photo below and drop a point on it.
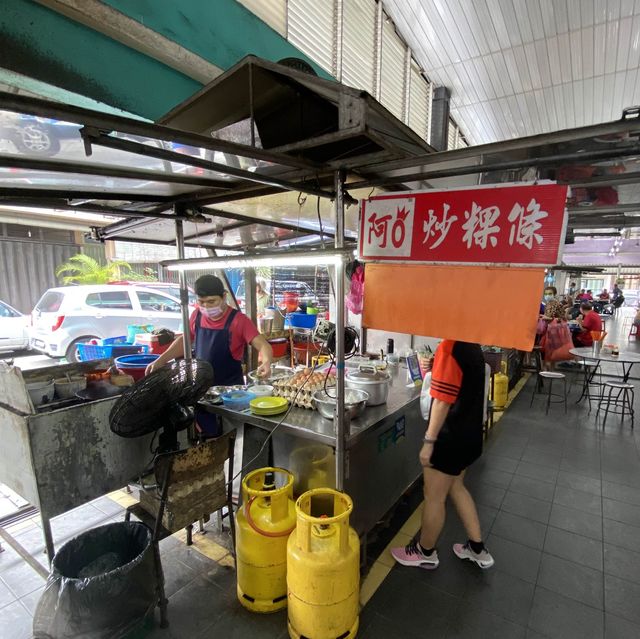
(483, 559)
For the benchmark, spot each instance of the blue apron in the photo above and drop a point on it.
(214, 346)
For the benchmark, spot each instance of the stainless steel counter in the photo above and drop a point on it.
(382, 449)
(309, 424)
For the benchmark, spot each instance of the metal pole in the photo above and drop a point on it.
(184, 293)
(341, 457)
(251, 311)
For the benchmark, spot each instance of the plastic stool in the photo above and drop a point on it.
(550, 376)
(620, 404)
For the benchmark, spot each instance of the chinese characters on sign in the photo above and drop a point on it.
(506, 224)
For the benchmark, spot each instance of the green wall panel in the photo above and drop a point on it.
(42, 44)
(45, 45)
(220, 31)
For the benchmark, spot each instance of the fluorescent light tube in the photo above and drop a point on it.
(290, 258)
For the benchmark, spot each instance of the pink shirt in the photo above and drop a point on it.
(242, 329)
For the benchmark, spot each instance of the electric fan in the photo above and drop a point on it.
(162, 400)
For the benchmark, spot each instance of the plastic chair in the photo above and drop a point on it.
(621, 404)
(550, 376)
(189, 486)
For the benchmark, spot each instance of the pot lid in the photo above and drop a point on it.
(368, 374)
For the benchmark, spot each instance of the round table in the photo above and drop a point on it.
(626, 358)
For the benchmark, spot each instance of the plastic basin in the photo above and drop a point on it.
(301, 320)
(134, 365)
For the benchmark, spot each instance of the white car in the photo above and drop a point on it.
(14, 329)
(70, 315)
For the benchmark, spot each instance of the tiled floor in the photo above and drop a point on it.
(559, 500)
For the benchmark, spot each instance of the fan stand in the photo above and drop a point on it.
(168, 440)
(179, 418)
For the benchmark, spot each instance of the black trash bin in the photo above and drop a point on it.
(102, 585)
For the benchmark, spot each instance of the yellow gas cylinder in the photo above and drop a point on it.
(500, 387)
(263, 525)
(323, 568)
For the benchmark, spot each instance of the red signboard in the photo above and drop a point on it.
(515, 224)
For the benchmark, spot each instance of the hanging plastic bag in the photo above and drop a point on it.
(425, 396)
(355, 296)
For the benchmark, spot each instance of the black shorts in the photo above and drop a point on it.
(452, 459)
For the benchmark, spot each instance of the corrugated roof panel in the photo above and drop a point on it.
(393, 71)
(419, 95)
(358, 42)
(311, 28)
(272, 12)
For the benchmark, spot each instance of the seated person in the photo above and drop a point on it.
(581, 296)
(588, 321)
(604, 296)
(553, 309)
(589, 294)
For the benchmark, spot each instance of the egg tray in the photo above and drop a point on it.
(289, 388)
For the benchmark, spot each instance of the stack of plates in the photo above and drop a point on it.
(266, 406)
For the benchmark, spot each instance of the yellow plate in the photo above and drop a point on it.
(268, 403)
(269, 413)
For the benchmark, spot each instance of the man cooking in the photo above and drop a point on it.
(220, 335)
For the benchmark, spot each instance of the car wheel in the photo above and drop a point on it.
(72, 352)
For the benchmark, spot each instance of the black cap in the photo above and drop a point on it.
(207, 285)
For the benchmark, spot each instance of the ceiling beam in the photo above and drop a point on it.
(70, 195)
(263, 221)
(108, 141)
(630, 207)
(109, 122)
(83, 168)
(543, 139)
(549, 160)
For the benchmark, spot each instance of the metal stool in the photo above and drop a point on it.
(620, 404)
(550, 376)
(591, 369)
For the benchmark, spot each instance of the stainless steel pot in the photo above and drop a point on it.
(372, 381)
(354, 403)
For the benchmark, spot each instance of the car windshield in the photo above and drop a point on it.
(50, 302)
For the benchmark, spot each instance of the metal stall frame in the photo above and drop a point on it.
(170, 206)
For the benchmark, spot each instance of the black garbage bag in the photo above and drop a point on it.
(102, 585)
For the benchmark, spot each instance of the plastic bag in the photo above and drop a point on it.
(355, 296)
(558, 342)
(425, 396)
(541, 329)
(100, 605)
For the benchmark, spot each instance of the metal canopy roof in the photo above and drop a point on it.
(235, 195)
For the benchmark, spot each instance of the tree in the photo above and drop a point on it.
(83, 269)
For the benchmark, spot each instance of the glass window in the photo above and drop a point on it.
(110, 299)
(157, 302)
(50, 302)
(5, 311)
(57, 235)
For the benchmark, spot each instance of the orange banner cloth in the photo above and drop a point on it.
(494, 306)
